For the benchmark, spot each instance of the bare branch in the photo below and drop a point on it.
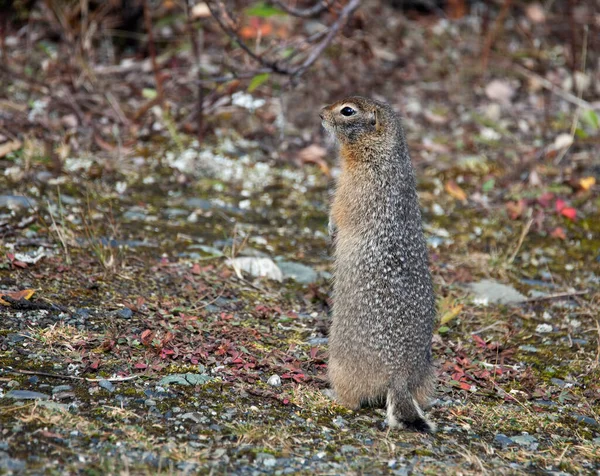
(345, 15)
(223, 18)
(313, 11)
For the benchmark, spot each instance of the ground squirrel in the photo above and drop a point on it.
(384, 305)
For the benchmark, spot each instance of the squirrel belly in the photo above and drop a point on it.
(384, 305)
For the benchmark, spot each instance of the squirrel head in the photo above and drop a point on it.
(357, 121)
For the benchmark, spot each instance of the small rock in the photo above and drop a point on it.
(15, 202)
(543, 328)
(318, 341)
(106, 385)
(339, 422)
(150, 402)
(124, 313)
(26, 395)
(274, 380)
(33, 380)
(267, 459)
(185, 379)
(258, 267)
(488, 291)
(298, 272)
(503, 440)
(61, 388)
(81, 313)
(585, 419)
(524, 439)
(11, 464)
(528, 348)
(345, 449)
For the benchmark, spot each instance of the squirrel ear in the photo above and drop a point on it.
(375, 120)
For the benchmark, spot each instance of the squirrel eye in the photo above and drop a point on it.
(347, 111)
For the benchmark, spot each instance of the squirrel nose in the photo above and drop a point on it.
(321, 115)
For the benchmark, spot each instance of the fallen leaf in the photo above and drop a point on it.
(500, 91)
(17, 295)
(545, 199)
(559, 233)
(455, 191)
(435, 118)
(200, 10)
(535, 12)
(562, 141)
(569, 212)
(315, 154)
(587, 182)
(9, 147)
(451, 313)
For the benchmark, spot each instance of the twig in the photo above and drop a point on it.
(71, 377)
(223, 18)
(25, 305)
(302, 12)
(347, 11)
(491, 36)
(152, 49)
(579, 94)
(557, 296)
(521, 239)
(220, 14)
(549, 85)
(196, 51)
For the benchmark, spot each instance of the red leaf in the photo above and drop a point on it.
(515, 209)
(560, 205)
(147, 337)
(141, 366)
(559, 233)
(569, 212)
(313, 352)
(545, 199)
(465, 386)
(94, 365)
(196, 269)
(479, 341)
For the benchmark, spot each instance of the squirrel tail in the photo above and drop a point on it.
(403, 410)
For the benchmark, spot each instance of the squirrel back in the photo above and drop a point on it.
(384, 305)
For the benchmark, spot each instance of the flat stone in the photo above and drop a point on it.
(488, 291)
(524, 440)
(585, 419)
(26, 395)
(185, 379)
(257, 267)
(298, 272)
(124, 313)
(106, 385)
(503, 440)
(61, 388)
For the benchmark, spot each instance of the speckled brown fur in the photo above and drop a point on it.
(384, 306)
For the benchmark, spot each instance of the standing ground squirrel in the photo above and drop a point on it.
(384, 305)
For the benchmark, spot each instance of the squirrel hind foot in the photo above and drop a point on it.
(405, 413)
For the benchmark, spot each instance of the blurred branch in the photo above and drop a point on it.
(152, 50)
(313, 11)
(228, 25)
(196, 51)
(493, 33)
